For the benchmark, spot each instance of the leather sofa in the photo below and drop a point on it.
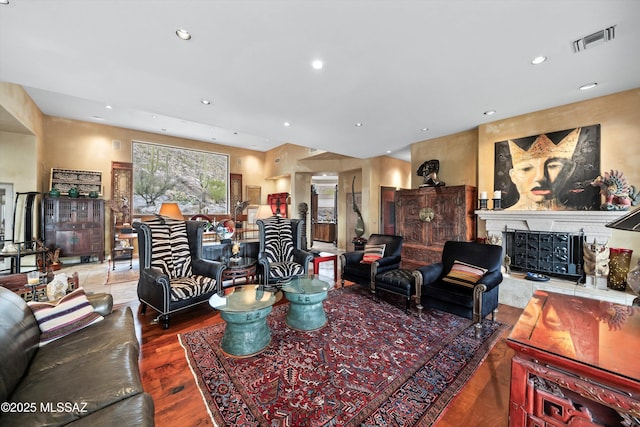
(89, 377)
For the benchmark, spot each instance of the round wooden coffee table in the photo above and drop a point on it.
(243, 267)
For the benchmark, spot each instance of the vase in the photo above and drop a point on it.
(54, 192)
(633, 279)
(74, 193)
(619, 262)
(93, 194)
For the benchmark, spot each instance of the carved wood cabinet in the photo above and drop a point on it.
(76, 226)
(575, 363)
(429, 216)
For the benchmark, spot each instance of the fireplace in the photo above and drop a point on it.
(552, 253)
(502, 226)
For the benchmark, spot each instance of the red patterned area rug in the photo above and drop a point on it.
(372, 365)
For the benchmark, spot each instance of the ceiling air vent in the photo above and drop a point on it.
(594, 39)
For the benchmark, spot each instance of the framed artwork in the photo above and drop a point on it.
(551, 171)
(196, 180)
(254, 194)
(252, 211)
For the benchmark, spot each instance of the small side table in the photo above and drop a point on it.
(245, 310)
(245, 268)
(325, 257)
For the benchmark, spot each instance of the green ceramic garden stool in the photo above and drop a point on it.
(305, 295)
(245, 310)
(246, 333)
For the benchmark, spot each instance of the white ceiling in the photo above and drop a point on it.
(396, 66)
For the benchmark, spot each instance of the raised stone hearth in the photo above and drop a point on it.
(515, 290)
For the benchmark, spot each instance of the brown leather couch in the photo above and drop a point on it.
(87, 378)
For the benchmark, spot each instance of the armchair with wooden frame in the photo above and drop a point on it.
(357, 267)
(465, 282)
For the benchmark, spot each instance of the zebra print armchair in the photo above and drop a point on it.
(173, 275)
(281, 256)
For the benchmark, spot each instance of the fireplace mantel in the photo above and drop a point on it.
(515, 290)
(591, 223)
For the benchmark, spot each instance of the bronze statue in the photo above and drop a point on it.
(429, 170)
(360, 222)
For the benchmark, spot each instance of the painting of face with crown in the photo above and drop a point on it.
(551, 171)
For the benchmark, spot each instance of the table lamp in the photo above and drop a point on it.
(264, 211)
(630, 222)
(171, 210)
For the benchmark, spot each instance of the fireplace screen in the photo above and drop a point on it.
(552, 253)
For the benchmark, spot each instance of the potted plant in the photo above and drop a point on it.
(53, 259)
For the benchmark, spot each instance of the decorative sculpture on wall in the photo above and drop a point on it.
(359, 229)
(429, 170)
(618, 194)
(596, 258)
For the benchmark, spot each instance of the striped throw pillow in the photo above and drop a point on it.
(60, 318)
(372, 253)
(464, 274)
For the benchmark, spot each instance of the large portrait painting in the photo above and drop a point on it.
(550, 171)
(196, 180)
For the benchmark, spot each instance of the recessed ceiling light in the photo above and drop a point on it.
(205, 102)
(317, 64)
(98, 118)
(154, 117)
(4, 1)
(183, 34)
(588, 86)
(538, 60)
(359, 124)
(489, 112)
(286, 124)
(388, 151)
(108, 107)
(424, 129)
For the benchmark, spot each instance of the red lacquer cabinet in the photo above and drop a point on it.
(575, 363)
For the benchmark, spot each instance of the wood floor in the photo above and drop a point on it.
(167, 377)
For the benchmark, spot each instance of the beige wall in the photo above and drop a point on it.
(20, 113)
(83, 145)
(458, 156)
(18, 165)
(619, 119)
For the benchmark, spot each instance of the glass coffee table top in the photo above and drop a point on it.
(307, 284)
(244, 298)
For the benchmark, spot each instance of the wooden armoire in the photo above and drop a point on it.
(429, 216)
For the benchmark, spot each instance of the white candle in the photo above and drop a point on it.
(483, 195)
(497, 194)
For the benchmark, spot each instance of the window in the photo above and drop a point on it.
(196, 180)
